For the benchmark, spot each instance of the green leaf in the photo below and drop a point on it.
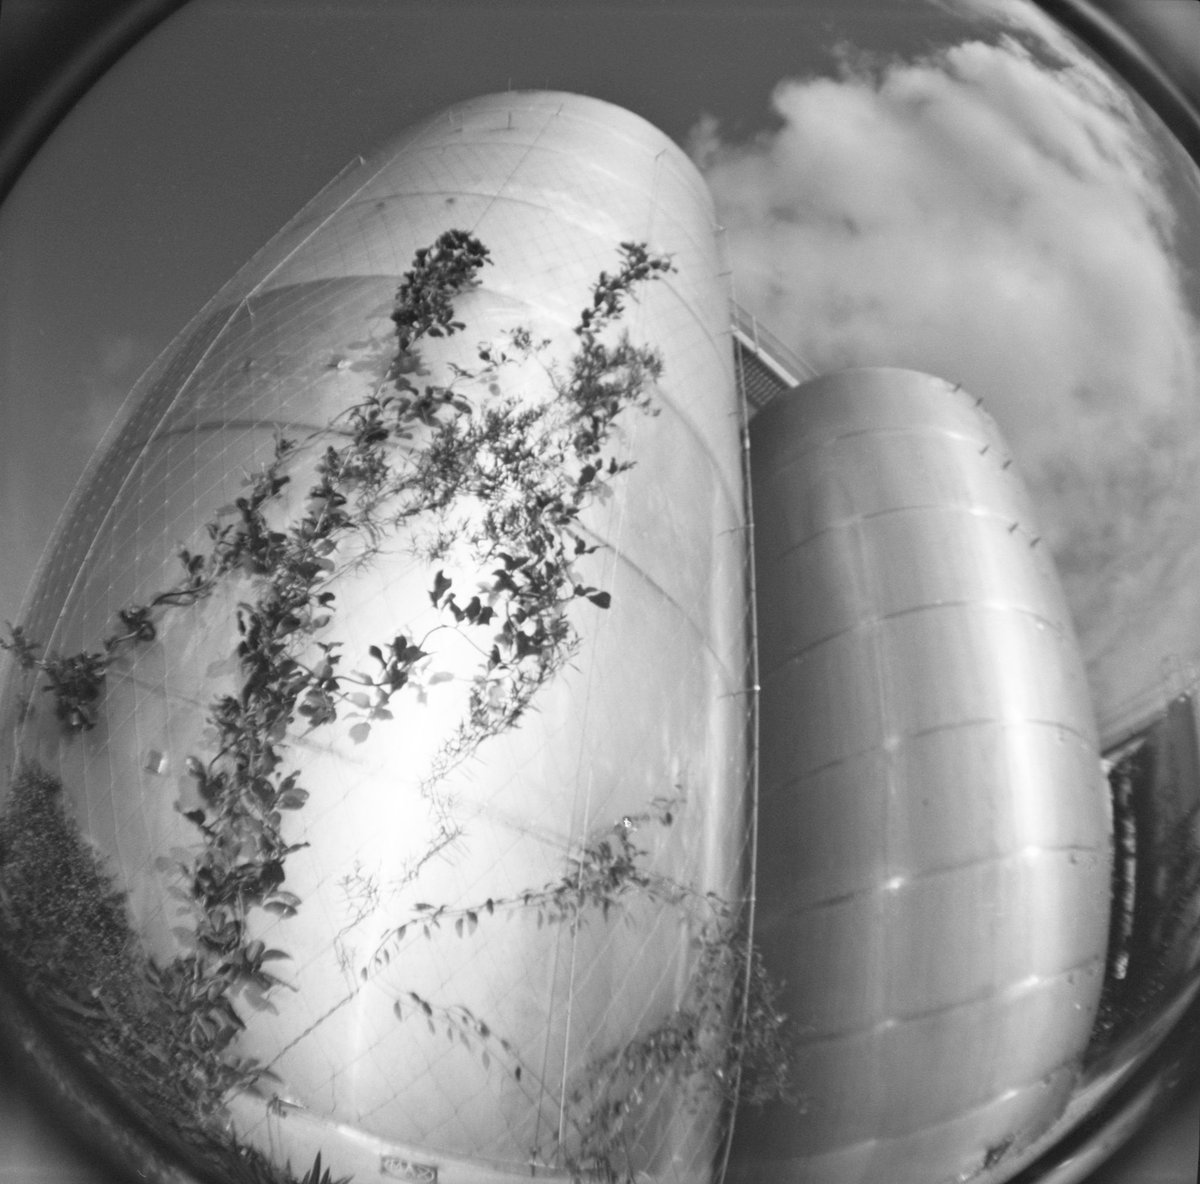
(440, 584)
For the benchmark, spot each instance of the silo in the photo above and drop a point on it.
(479, 1047)
(934, 850)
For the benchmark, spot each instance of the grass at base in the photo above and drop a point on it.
(64, 929)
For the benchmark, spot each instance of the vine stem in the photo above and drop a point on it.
(562, 1098)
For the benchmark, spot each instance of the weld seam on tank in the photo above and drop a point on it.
(255, 288)
(954, 1123)
(1015, 991)
(1086, 741)
(667, 281)
(947, 870)
(706, 643)
(806, 445)
(732, 496)
(501, 189)
(868, 515)
(402, 194)
(623, 559)
(1009, 610)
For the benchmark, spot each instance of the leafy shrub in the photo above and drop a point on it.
(149, 1031)
(61, 918)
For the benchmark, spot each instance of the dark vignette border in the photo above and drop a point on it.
(51, 67)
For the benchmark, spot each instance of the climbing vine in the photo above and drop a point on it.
(728, 1039)
(607, 870)
(501, 487)
(498, 488)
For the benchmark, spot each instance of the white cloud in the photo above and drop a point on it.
(999, 220)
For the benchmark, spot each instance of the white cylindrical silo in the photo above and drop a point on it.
(651, 707)
(934, 850)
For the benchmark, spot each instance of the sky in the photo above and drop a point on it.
(951, 185)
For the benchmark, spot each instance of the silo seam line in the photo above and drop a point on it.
(999, 606)
(1013, 991)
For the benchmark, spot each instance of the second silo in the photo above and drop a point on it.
(934, 843)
